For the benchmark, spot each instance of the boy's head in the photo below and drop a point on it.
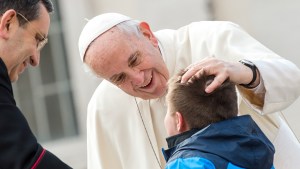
(189, 106)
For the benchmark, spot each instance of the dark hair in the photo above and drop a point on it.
(28, 8)
(198, 108)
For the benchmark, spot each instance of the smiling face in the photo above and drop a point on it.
(132, 63)
(21, 41)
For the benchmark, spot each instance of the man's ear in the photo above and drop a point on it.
(146, 31)
(181, 125)
(6, 21)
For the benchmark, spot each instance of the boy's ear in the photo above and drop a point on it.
(8, 19)
(181, 125)
(146, 31)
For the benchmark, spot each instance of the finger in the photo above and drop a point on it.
(188, 74)
(191, 70)
(197, 75)
(189, 67)
(217, 82)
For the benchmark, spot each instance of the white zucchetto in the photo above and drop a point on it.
(97, 26)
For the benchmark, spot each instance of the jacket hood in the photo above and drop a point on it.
(238, 140)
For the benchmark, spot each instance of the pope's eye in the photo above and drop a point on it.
(134, 60)
(120, 79)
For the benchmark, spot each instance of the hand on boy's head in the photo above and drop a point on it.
(222, 70)
(201, 79)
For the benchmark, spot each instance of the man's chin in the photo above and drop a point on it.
(148, 95)
(152, 95)
(14, 78)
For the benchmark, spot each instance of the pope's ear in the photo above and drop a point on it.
(146, 31)
(8, 19)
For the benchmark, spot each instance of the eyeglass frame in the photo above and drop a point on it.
(40, 43)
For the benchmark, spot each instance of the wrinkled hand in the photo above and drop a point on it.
(222, 70)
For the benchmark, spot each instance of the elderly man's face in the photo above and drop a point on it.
(133, 64)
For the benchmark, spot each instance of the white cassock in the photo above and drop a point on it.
(116, 136)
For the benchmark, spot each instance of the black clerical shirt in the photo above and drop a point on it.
(19, 148)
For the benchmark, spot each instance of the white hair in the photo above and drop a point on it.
(130, 27)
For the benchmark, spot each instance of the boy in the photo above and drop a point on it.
(205, 131)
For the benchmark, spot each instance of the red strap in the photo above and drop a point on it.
(39, 159)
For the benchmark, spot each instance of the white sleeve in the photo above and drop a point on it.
(280, 78)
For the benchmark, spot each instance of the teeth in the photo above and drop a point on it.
(148, 82)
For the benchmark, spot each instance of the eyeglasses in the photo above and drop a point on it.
(41, 42)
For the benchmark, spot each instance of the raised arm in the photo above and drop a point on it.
(277, 79)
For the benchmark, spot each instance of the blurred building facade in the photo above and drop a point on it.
(54, 97)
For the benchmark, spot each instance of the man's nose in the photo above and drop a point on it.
(137, 78)
(35, 59)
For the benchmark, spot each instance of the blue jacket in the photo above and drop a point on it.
(235, 143)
